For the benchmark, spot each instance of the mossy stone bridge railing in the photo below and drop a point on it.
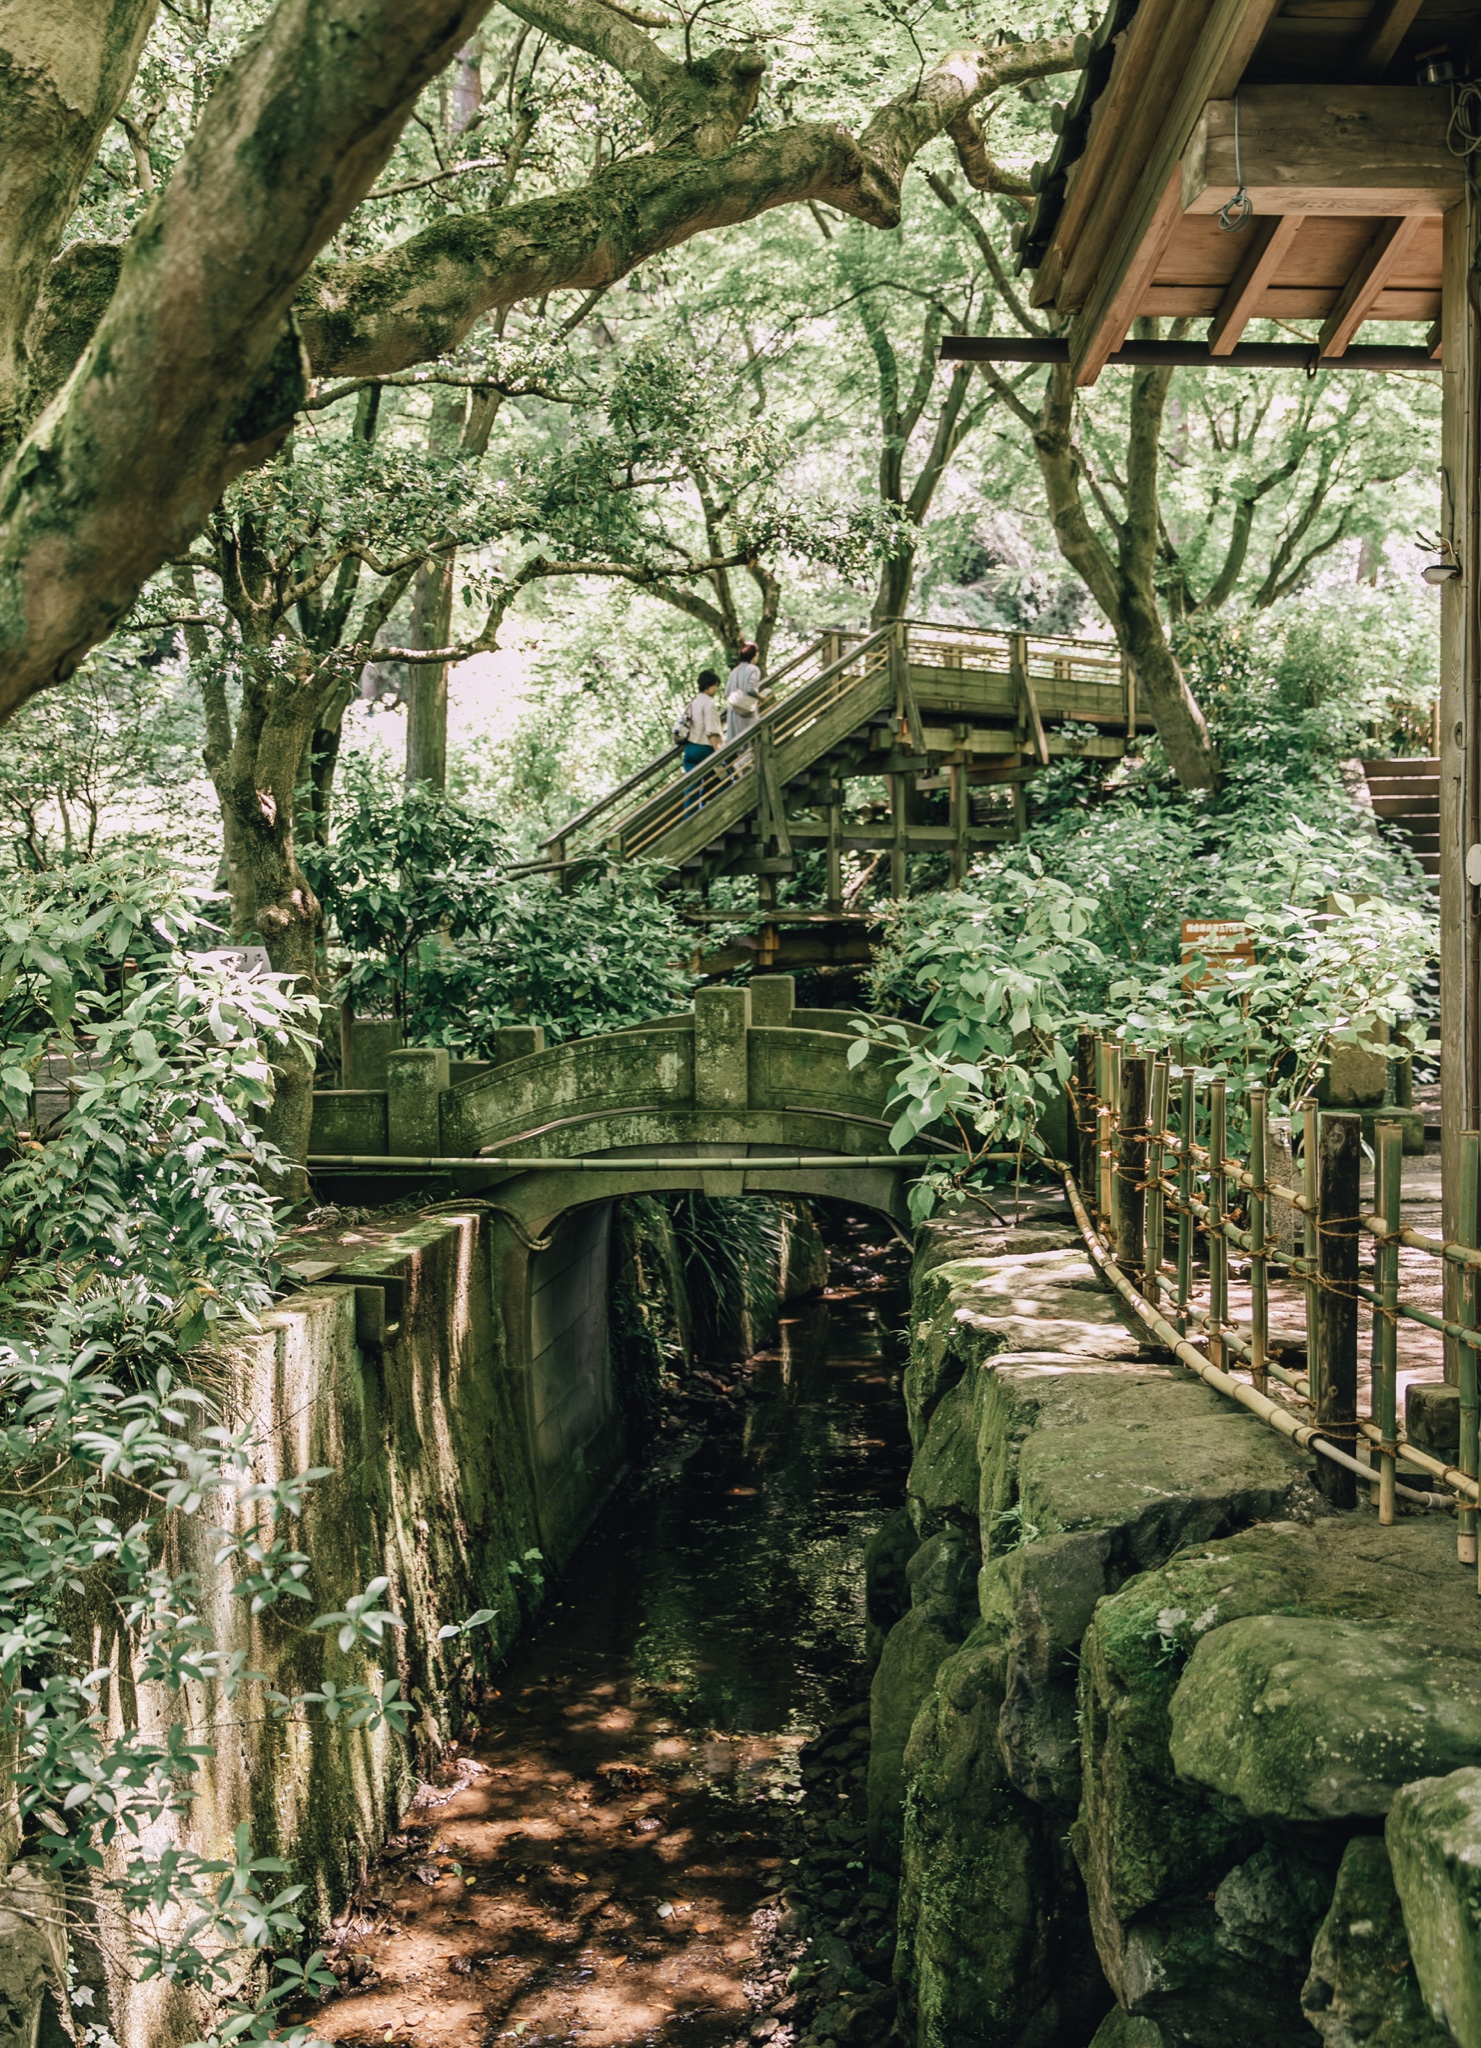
(745, 1093)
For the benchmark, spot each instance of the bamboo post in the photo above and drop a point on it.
(1104, 1120)
(1339, 1158)
(1390, 1150)
(1309, 1149)
(1468, 1230)
(1152, 1276)
(1085, 1105)
(1131, 1164)
(1259, 1271)
(1187, 1132)
(1218, 1244)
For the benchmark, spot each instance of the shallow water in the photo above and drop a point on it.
(586, 1868)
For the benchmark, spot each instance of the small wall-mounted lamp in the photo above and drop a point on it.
(1446, 567)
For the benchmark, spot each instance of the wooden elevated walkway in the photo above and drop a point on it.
(953, 720)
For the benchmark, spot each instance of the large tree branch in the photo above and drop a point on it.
(193, 375)
(699, 107)
(65, 69)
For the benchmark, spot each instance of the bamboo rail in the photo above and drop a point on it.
(1154, 1177)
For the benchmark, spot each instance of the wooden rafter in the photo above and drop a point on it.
(1383, 32)
(1270, 240)
(1376, 267)
(1231, 30)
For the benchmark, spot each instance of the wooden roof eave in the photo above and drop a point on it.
(1226, 40)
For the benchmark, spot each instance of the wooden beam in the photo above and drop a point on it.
(1377, 265)
(1232, 26)
(1335, 149)
(1383, 32)
(1270, 241)
(1117, 315)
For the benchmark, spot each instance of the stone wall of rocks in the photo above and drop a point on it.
(1163, 1750)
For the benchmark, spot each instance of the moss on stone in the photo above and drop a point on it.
(1362, 1991)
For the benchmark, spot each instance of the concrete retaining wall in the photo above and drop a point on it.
(455, 1448)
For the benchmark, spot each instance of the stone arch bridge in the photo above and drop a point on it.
(725, 1099)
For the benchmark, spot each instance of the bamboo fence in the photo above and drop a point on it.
(1164, 1203)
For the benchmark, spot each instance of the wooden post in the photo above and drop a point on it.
(899, 808)
(1390, 1151)
(961, 822)
(1152, 1276)
(1187, 1131)
(1084, 1120)
(1131, 1164)
(1460, 732)
(1468, 1233)
(1218, 1199)
(1128, 679)
(1339, 1162)
(835, 857)
(1259, 1274)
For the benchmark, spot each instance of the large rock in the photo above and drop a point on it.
(1186, 1882)
(942, 1574)
(1362, 1991)
(945, 1479)
(1303, 1718)
(1091, 1459)
(1434, 1844)
(994, 1950)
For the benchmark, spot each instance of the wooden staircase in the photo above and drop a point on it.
(1406, 793)
(950, 721)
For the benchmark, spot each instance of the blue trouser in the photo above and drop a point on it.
(694, 795)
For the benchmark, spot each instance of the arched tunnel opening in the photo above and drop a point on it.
(670, 1768)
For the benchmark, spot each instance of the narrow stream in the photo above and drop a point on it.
(587, 1868)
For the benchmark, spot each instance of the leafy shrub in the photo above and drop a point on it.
(130, 1224)
(436, 931)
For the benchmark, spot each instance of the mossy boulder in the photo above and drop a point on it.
(1172, 1855)
(994, 1945)
(1306, 1718)
(1362, 1991)
(945, 1480)
(942, 1575)
(1434, 1845)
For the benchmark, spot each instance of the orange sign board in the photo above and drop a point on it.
(1216, 941)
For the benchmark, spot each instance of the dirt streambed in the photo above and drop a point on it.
(655, 1834)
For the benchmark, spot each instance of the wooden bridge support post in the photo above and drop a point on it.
(961, 820)
(1218, 1199)
(1460, 726)
(899, 820)
(1339, 1162)
(834, 882)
